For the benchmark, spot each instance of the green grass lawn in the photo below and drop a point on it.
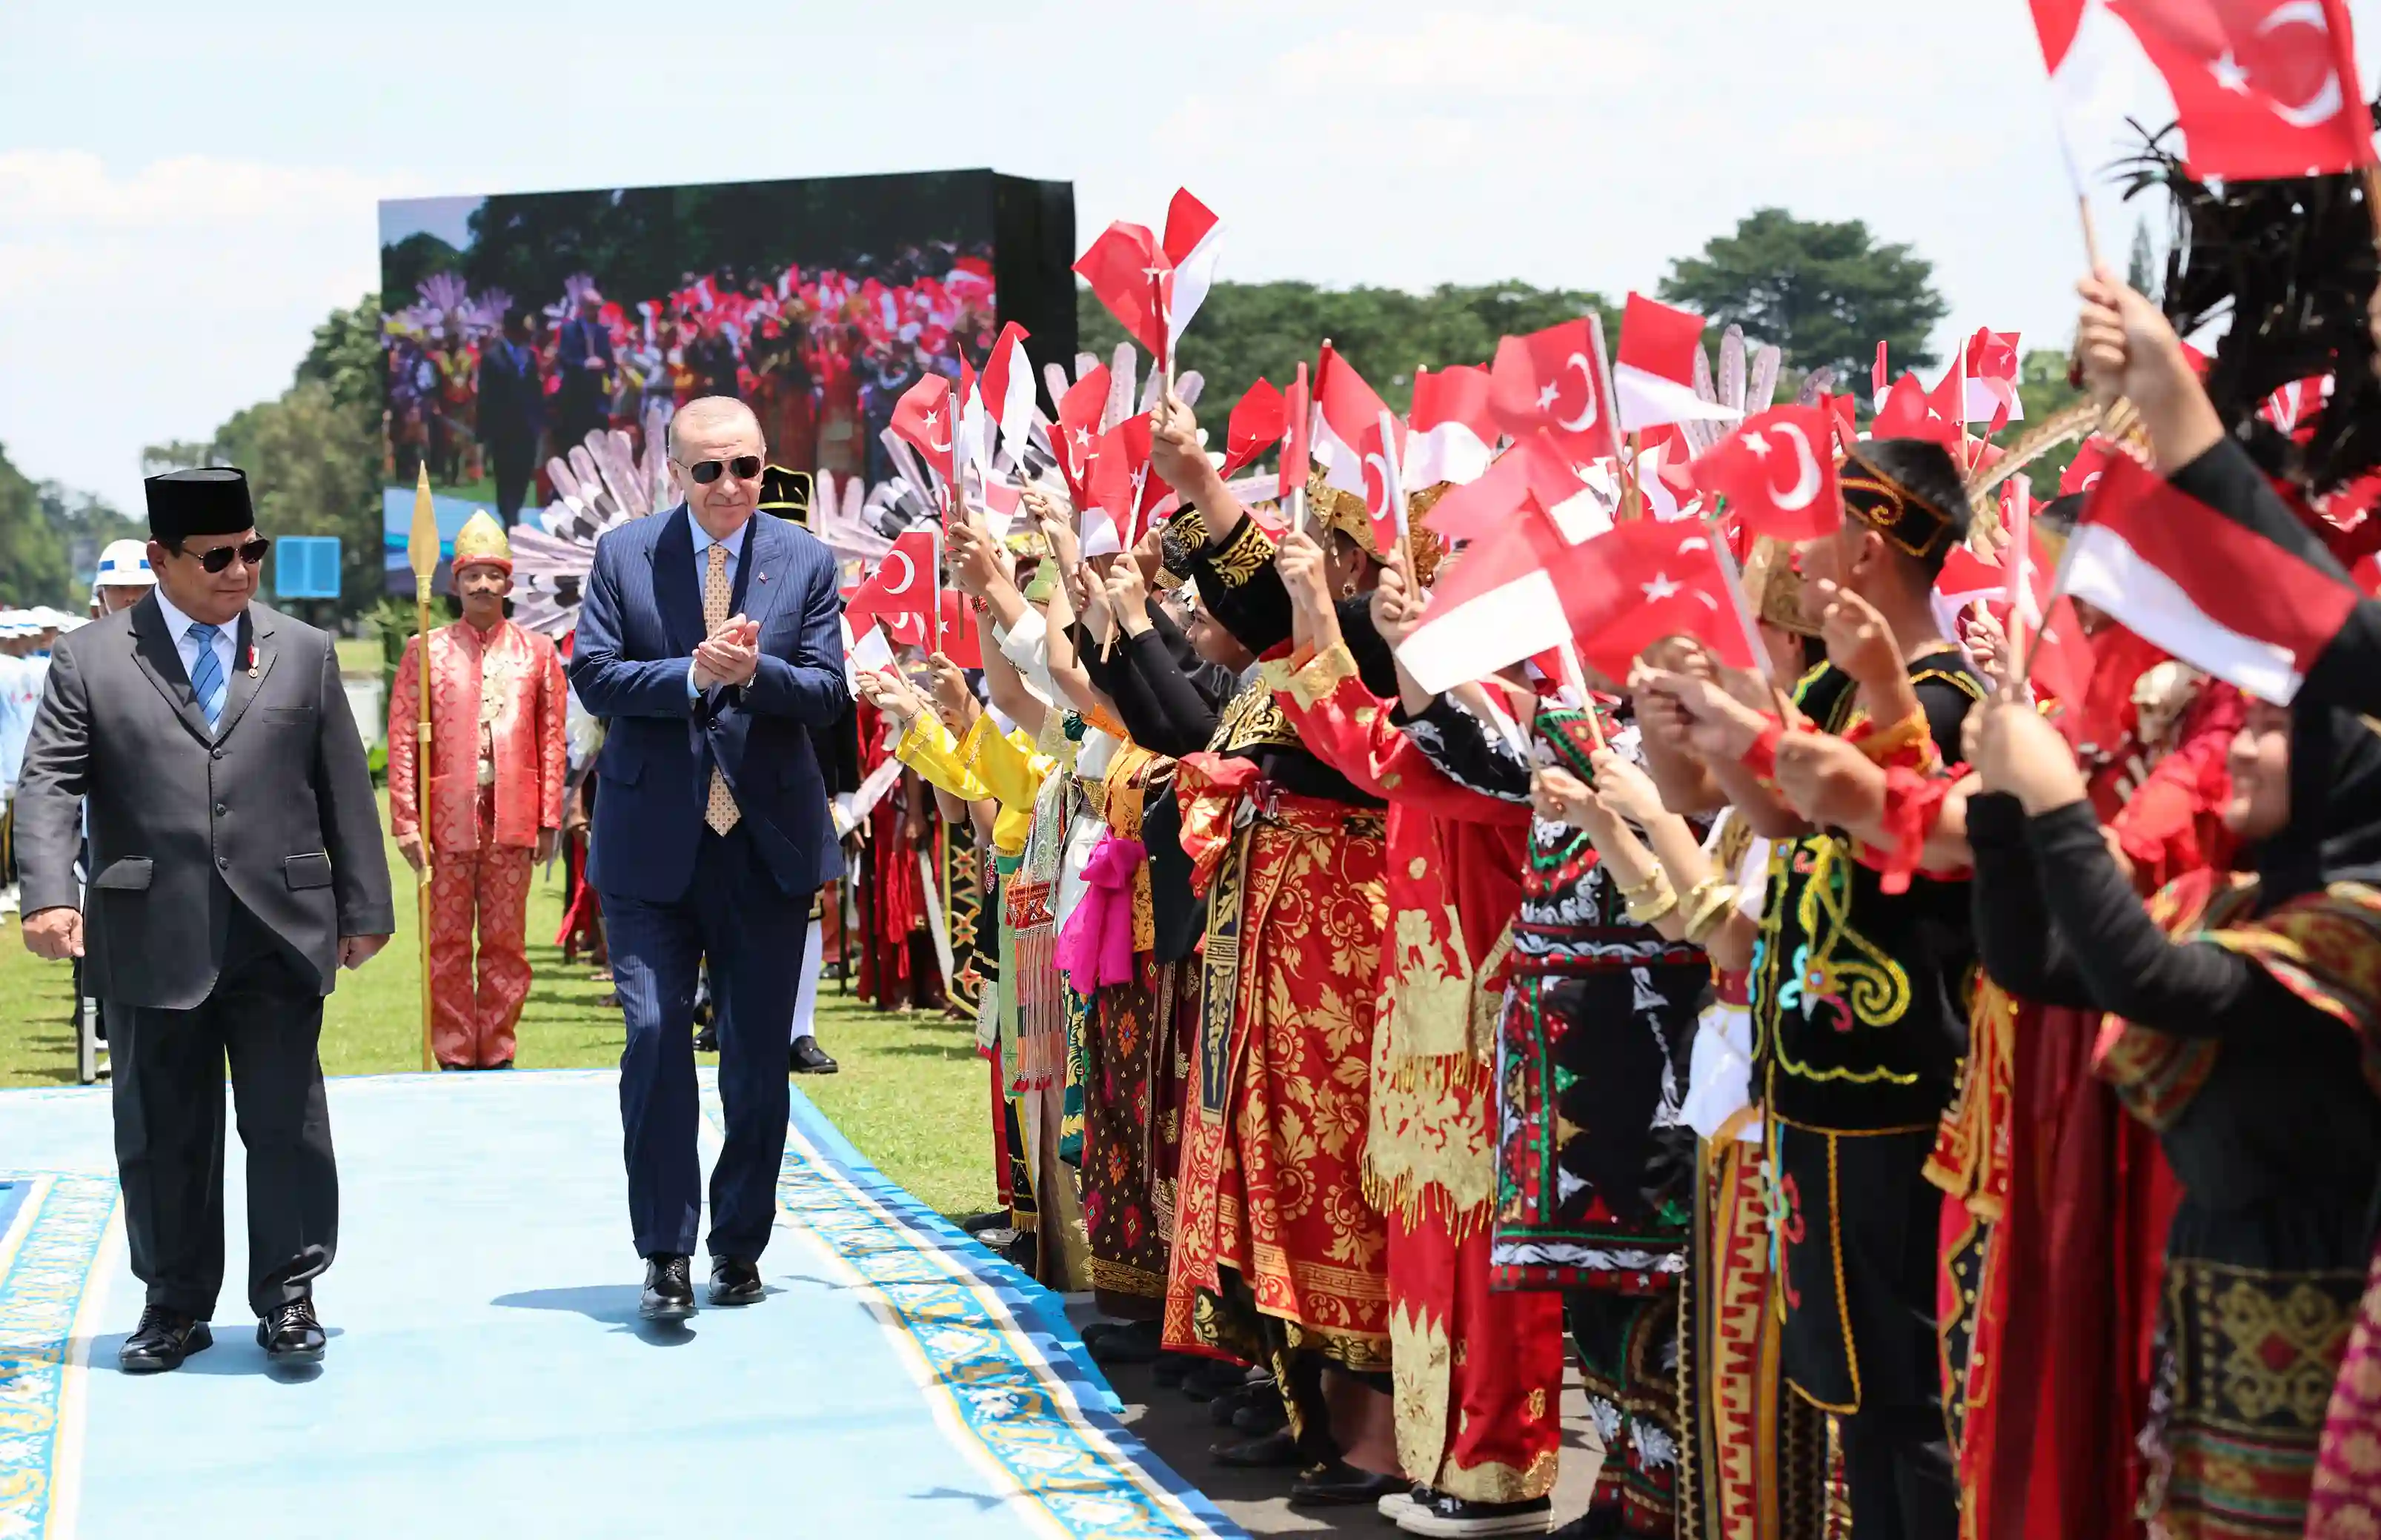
(912, 1094)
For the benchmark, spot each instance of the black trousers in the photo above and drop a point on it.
(513, 466)
(265, 1016)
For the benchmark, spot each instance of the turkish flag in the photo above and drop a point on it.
(1255, 426)
(1645, 581)
(2260, 88)
(1560, 380)
(959, 640)
(902, 595)
(1122, 487)
(923, 417)
(1121, 268)
(1352, 441)
(1297, 411)
(1778, 473)
(1075, 438)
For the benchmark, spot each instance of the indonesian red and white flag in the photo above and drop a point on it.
(1989, 364)
(1561, 380)
(1778, 472)
(1075, 437)
(1533, 470)
(2205, 586)
(1255, 425)
(1500, 604)
(2260, 88)
(1296, 435)
(1451, 433)
(1353, 434)
(903, 595)
(1654, 379)
(923, 417)
(1007, 386)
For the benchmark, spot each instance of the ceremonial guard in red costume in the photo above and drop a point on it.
(495, 808)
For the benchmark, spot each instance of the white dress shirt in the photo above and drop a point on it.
(178, 625)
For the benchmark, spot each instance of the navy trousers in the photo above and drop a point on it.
(752, 934)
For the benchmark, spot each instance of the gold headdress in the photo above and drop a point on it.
(1345, 512)
(1773, 584)
(482, 541)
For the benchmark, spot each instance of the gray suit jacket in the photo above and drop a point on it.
(277, 801)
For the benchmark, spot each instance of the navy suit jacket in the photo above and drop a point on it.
(638, 629)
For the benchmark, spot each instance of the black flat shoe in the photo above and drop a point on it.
(669, 1290)
(976, 1223)
(1341, 1484)
(1212, 1378)
(708, 1039)
(292, 1335)
(1263, 1414)
(1274, 1451)
(1170, 1367)
(1127, 1342)
(809, 1058)
(735, 1281)
(163, 1339)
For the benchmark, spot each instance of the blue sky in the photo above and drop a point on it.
(185, 191)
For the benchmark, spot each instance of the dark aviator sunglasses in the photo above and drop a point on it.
(251, 551)
(744, 468)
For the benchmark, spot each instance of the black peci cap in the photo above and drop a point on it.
(213, 500)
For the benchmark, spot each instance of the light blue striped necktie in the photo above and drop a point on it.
(207, 681)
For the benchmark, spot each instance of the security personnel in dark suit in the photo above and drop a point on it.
(235, 866)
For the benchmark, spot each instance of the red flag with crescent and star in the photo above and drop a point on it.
(1560, 380)
(1778, 473)
(904, 592)
(923, 417)
(1075, 440)
(2259, 88)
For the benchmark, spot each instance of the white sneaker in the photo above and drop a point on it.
(1396, 1504)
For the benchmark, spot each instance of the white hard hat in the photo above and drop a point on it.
(125, 564)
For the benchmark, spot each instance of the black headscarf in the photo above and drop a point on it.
(2335, 828)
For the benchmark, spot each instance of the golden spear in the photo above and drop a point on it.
(422, 555)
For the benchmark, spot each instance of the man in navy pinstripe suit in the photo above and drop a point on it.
(709, 640)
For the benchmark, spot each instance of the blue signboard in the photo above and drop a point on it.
(306, 566)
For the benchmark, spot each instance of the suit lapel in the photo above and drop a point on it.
(252, 665)
(674, 592)
(768, 557)
(152, 650)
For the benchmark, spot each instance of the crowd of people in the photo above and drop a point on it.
(1908, 1119)
(483, 386)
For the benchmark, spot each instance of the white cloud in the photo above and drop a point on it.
(153, 303)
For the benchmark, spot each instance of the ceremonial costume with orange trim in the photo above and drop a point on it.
(1860, 990)
(1276, 1254)
(1478, 1375)
(496, 704)
(1596, 1169)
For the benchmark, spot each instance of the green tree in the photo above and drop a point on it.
(87, 523)
(33, 565)
(313, 453)
(1247, 330)
(1826, 293)
(404, 264)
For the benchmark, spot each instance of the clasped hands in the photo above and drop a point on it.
(730, 655)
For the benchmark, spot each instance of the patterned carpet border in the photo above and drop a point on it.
(51, 1228)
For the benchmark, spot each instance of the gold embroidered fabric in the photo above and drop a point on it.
(1253, 719)
(1249, 549)
(1420, 1368)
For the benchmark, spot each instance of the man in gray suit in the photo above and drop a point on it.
(235, 866)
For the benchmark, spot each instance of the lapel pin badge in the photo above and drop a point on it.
(252, 660)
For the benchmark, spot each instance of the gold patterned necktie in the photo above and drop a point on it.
(721, 814)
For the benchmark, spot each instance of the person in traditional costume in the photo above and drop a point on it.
(1277, 1255)
(1859, 979)
(494, 806)
(1477, 1375)
(2239, 1042)
(2291, 261)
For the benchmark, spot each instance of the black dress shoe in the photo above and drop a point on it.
(708, 1039)
(669, 1290)
(1212, 1378)
(1263, 1414)
(163, 1339)
(809, 1058)
(1273, 1451)
(735, 1281)
(291, 1334)
(1341, 1484)
(1129, 1342)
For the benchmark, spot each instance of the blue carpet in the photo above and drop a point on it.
(488, 1373)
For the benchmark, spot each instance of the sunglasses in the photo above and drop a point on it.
(744, 468)
(251, 552)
